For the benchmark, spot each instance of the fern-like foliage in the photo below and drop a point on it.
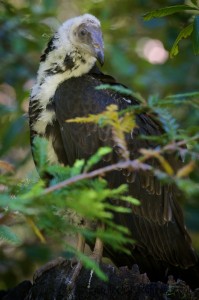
(190, 30)
(119, 124)
(8, 235)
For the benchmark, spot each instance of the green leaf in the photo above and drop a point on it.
(40, 152)
(7, 235)
(191, 99)
(122, 90)
(58, 171)
(63, 172)
(184, 33)
(89, 203)
(35, 191)
(119, 209)
(5, 200)
(195, 2)
(94, 159)
(77, 167)
(195, 35)
(117, 88)
(131, 200)
(89, 263)
(183, 95)
(117, 240)
(169, 123)
(166, 11)
(188, 186)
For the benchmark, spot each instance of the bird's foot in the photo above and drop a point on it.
(51, 264)
(73, 262)
(77, 269)
(96, 256)
(75, 274)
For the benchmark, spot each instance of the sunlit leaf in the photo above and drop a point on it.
(165, 164)
(120, 125)
(36, 230)
(131, 200)
(105, 118)
(119, 190)
(94, 159)
(36, 190)
(119, 209)
(186, 170)
(127, 122)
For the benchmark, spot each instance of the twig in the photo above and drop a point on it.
(148, 153)
(133, 164)
(176, 145)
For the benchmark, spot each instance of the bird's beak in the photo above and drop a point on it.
(98, 46)
(99, 54)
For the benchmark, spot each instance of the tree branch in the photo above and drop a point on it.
(137, 164)
(132, 164)
(122, 284)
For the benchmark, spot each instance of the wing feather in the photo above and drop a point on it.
(157, 224)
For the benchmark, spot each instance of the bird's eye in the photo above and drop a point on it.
(83, 32)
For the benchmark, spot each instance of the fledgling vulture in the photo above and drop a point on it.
(66, 88)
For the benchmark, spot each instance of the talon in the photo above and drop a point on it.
(75, 274)
(73, 262)
(90, 278)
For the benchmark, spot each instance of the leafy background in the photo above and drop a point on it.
(25, 29)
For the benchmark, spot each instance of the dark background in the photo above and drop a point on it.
(136, 53)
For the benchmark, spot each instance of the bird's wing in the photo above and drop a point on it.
(77, 97)
(157, 224)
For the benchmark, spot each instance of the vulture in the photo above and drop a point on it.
(65, 88)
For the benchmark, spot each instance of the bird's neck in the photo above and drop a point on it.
(59, 65)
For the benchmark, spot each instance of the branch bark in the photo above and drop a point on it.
(123, 284)
(132, 164)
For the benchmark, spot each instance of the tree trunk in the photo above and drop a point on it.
(123, 284)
